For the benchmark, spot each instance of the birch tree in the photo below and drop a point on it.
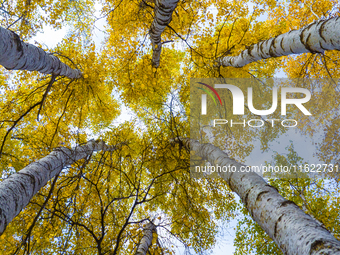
(17, 190)
(316, 197)
(294, 231)
(17, 55)
(146, 241)
(317, 37)
(163, 15)
(101, 202)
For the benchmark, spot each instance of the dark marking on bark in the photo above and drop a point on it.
(333, 44)
(23, 65)
(317, 245)
(309, 26)
(246, 199)
(23, 187)
(320, 44)
(302, 41)
(231, 174)
(261, 50)
(321, 30)
(307, 46)
(17, 42)
(281, 44)
(260, 194)
(272, 48)
(15, 199)
(276, 223)
(32, 179)
(287, 202)
(249, 50)
(229, 182)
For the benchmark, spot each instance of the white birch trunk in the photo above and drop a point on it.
(17, 190)
(315, 38)
(294, 231)
(17, 55)
(146, 239)
(163, 14)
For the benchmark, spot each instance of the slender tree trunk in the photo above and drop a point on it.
(17, 190)
(163, 14)
(17, 55)
(294, 231)
(315, 38)
(146, 239)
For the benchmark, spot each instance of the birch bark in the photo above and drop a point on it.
(17, 190)
(146, 239)
(17, 55)
(163, 15)
(315, 38)
(294, 231)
